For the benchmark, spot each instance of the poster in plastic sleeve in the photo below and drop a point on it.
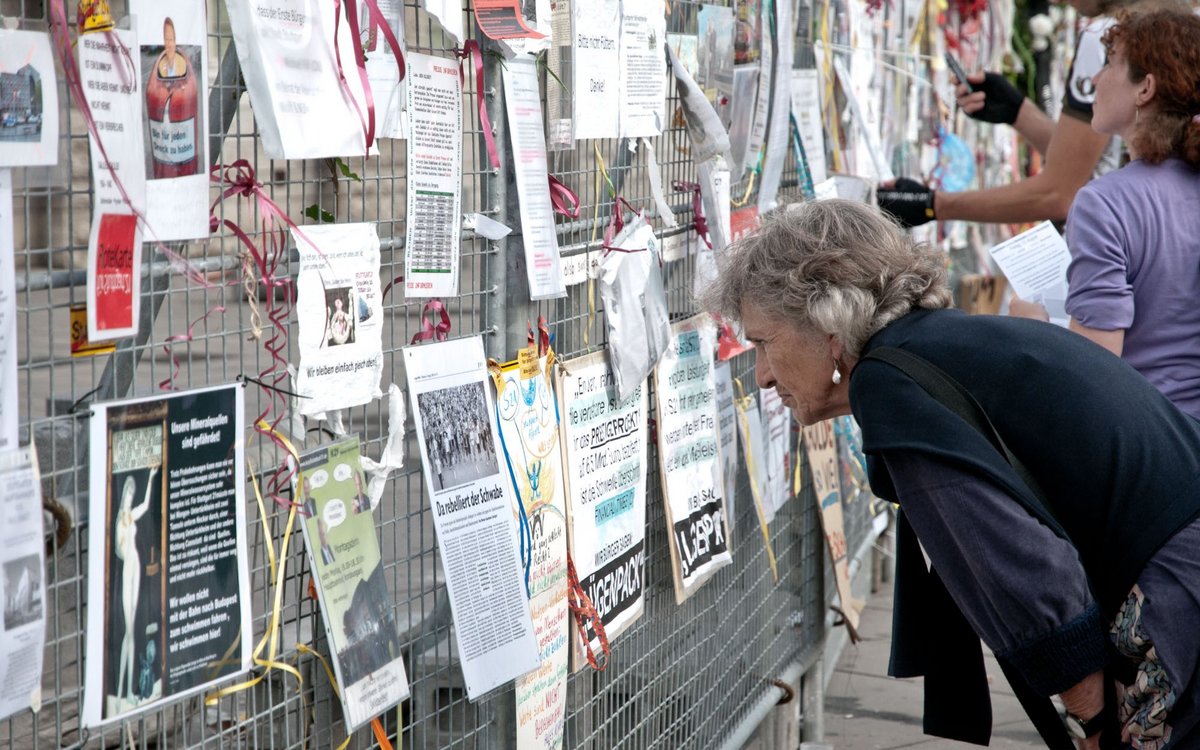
(529, 430)
(22, 582)
(173, 38)
(343, 550)
(507, 19)
(643, 70)
(605, 450)
(718, 29)
(806, 110)
(9, 421)
(560, 66)
(689, 452)
(383, 71)
(821, 446)
(728, 420)
(168, 566)
(473, 511)
(597, 68)
(777, 433)
(287, 56)
(434, 177)
(340, 311)
(29, 117)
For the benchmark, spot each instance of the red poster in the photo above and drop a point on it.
(113, 283)
(502, 19)
(742, 222)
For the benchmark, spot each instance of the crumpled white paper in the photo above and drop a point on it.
(392, 457)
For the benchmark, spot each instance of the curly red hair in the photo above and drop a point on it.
(1165, 44)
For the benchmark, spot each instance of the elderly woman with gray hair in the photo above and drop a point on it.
(1053, 489)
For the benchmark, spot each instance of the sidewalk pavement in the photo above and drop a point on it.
(865, 709)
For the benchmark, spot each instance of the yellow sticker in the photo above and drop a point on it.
(94, 15)
(527, 360)
(80, 346)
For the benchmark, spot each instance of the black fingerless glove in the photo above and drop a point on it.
(908, 200)
(1002, 101)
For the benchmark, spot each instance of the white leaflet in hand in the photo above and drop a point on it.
(472, 501)
(665, 214)
(113, 89)
(29, 119)
(776, 430)
(23, 558)
(779, 135)
(287, 59)
(539, 237)
(806, 108)
(728, 420)
(689, 454)
(643, 66)
(392, 456)
(384, 74)
(173, 35)
(1035, 262)
(340, 313)
(597, 68)
(448, 13)
(9, 421)
(434, 178)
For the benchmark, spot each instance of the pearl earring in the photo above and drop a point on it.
(837, 374)
(1137, 112)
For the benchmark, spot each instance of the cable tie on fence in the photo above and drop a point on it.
(79, 401)
(699, 222)
(270, 387)
(470, 49)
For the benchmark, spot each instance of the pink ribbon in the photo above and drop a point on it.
(561, 196)
(169, 383)
(471, 49)
(616, 222)
(430, 331)
(699, 223)
(368, 122)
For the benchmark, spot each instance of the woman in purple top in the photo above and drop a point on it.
(1134, 234)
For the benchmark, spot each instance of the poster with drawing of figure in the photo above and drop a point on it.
(168, 575)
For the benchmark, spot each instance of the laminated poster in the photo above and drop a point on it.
(22, 585)
(776, 426)
(343, 550)
(383, 72)
(689, 451)
(529, 429)
(822, 459)
(605, 444)
(538, 234)
(779, 126)
(597, 68)
(718, 30)
(114, 282)
(286, 52)
(643, 68)
(506, 19)
(340, 311)
(434, 177)
(173, 35)
(29, 115)
(168, 567)
(471, 495)
(762, 96)
(560, 103)
(9, 421)
(727, 419)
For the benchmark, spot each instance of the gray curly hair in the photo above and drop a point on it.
(838, 266)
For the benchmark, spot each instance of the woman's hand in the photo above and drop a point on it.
(1019, 308)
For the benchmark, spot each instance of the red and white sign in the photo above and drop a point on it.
(114, 277)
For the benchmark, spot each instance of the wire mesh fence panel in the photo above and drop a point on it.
(683, 676)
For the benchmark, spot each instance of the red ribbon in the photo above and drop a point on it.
(699, 223)
(584, 613)
(616, 222)
(561, 196)
(368, 122)
(541, 339)
(169, 383)
(471, 49)
(429, 331)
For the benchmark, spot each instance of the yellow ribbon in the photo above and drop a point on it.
(741, 404)
(749, 189)
(827, 99)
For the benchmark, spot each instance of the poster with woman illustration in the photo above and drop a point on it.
(168, 576)
(173, 38)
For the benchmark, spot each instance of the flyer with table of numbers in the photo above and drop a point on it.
(343, 550)
(689, 452)
(168, 568)
(471, 495)
(605, 445)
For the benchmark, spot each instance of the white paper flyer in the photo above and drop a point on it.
(523, 101)
(168, 567)
(597, 67)
(806, 109)
(529, 429)
(113, 90)
(434, 178)
(22, 587)
(343, 553)
(29, 118)
(776, 429)
(473, 511)
(689, 453)
(340, 312)
(1035, 262)
(727, 419)
(9, 421)
(779, 130)
(286, 52)
(643, 82)
(605, 449)
(173, 35)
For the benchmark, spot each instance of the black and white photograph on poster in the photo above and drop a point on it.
(475, 521)
(28, 100)
(460, 436)
(173, 59)
(339, 306)
(167, 554)
(22, 582)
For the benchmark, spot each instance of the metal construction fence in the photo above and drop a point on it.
(683, 676)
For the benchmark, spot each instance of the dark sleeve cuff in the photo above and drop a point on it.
(1053, 662)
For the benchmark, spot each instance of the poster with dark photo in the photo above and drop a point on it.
(169, 581)
(458, 435)
(22, 591)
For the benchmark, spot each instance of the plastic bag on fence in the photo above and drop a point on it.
(635, 306)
